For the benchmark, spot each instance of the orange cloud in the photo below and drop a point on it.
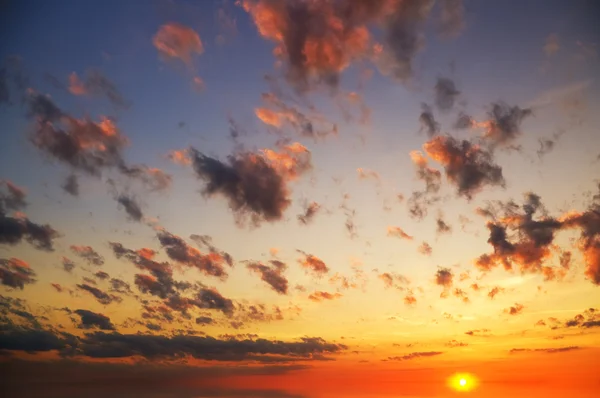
(76, 86)
(319, 296)
(181, 157)
(398, 233)
(176, 41)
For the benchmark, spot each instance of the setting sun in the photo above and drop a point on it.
(462, 382)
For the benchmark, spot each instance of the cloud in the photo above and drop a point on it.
(441, 226)
(68, 265)
(313, 263)
(394, 280)
(14, 229)
(204, 320)
(461, 294)
(154, 179)
(494, 291)
(445, 94)
(398, 233)
(425, 249)
(319, 296)
(444, 277)
(430, 176)
(181, 157)
(210, 298)
(96, 84)
(102, 297)
(101, 275)
(316, 42)
(409, 299)
(310, 210)
(552, 44)
(478, 332)
(515, 309)
(504, 125)
(464, 122)
(451, 21)
(131, 207)
(176, 41)
(88, 254)
(271, 275)
(80, 143)
(211, 264)
(254, 184)
(587, 319)
(544, 350)
(455, 343)
(305, 123)
(466, 165)
(16, 273)
(71, 185)
(12, 197)
(428, 122)
(90, 320)
(415, 355)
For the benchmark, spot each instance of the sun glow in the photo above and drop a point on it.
(462, 382)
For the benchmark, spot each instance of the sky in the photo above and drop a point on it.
(299, 198)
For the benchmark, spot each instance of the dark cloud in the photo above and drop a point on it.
(119, 286)
(544, 350)
(131, 207)
(30, 340)
(415, 355)
(67, 378)
(310, 210)
(90, 320)
(68, 265)
(272, 275)
(101, 296)
(88, 254)
(14, 229)
(464, 122)
(466, 165)
(12, 78)
(253, 185)
(427, 121)
(210, 298)
(452, 18)
(12, 197)
(444, 277)
(16, 273)
(101, 275)
(178, 250)
(71, 185)
(445, 94)
(313, 263)
(204, 320)
(441, 226)
(504, 125)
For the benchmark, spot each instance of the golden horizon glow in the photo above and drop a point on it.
(463, 382)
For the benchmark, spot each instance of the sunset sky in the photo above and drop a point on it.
(299, 198)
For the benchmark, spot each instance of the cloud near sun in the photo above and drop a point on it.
(337, 196)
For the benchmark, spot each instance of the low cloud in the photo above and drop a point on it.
(398, 233)
(91, 320)
(515, 309)
(319, 296)
(16, 273)
(445, 93)
(272, 275)
(313, 263)
(416, 355)
(88, 254)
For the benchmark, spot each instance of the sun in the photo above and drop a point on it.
(462, 382)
